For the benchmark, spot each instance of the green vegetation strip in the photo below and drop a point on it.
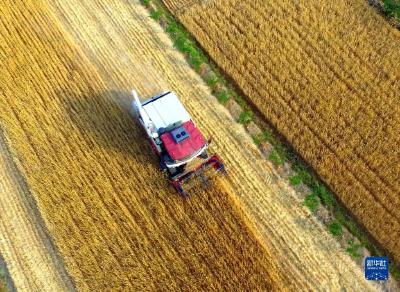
(281, 152)
(391, 8)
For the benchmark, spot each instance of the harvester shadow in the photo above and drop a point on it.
(104, 120)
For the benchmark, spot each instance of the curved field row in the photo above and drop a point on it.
(327, 76)
(114, 218)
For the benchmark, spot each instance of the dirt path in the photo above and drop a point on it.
(32, 261)
(129, 50)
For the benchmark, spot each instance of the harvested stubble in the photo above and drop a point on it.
(326, 74)
(96, 182)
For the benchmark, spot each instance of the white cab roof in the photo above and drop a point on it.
(165, 110)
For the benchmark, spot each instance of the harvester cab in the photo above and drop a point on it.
(174, 137)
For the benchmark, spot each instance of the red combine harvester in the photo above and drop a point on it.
(175, 138)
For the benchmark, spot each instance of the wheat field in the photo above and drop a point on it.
(36, 265)
(113, 218)
(326, 75)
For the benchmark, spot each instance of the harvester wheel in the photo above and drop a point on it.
(203, 155)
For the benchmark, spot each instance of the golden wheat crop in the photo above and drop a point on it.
(151, 64)
(114, 218)
(326, 74)
(25, 247)
(107, 206)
